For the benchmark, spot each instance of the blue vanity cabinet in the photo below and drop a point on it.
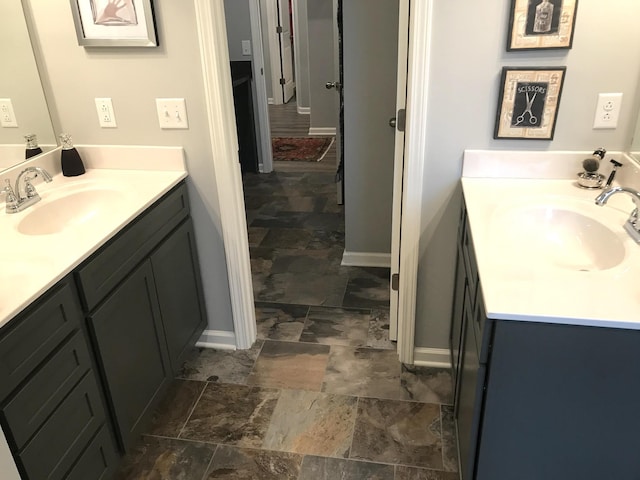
(52, 409)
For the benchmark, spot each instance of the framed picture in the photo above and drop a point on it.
(528, 102)
(541, 24)
(114, 23)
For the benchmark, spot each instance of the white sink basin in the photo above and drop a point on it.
(64, 210)
(564, 236)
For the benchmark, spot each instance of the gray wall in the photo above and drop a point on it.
(133, 78)
(370, 49)
(237, 18)
(301, 49)
(323, 102)
(467, 59)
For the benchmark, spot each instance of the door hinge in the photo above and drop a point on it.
(401, 120)
(282, 81)
(395, 282)
(279, 29)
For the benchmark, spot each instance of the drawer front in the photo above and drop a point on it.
(98, 461)
(44, 391)
(31, 337)
(111, 264)
(470, 262)
(57, 445)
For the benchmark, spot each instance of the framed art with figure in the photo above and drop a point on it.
(528, 102)
(114, 23)
(541, 24)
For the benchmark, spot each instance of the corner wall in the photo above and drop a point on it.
(468, 53)
(133, 78)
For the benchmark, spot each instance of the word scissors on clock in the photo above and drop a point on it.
(532, 118)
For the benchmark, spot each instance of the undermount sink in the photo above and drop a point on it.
(54, 215)
(560, 236)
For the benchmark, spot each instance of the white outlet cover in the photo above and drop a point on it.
(172, 113)
(106, 115)
(7, 115)
(607, 110)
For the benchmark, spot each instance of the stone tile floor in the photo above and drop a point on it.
(321, 394)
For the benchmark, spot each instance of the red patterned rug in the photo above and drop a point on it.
(301, 149)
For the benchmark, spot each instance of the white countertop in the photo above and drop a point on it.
(517, 283)
(31, 264)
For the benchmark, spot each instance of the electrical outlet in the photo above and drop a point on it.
(7, 115)
(607, 110)
(106, 116)
(172, 113)
(246, 47)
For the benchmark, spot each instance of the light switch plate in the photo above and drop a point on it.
(172, 113)
(7, 115)
(246, 47)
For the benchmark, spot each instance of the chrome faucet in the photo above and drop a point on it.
(25, 193)
(632, 225)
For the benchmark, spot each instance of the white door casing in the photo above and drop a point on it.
(398, 161)
(286, 50)
(221, 117)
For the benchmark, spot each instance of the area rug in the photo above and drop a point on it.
(300, 149)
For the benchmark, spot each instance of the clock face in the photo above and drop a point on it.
(528, 106)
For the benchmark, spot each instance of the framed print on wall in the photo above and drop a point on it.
(528, 102)
(541, 24)
(114, 23)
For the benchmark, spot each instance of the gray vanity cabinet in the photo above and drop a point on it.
(131, 347)
(542, 400)
(51, 408)
(144, 304)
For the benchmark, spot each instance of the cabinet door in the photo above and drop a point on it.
(177, 278)
(471, 385)
(131, 348)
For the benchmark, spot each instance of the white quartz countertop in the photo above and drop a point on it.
(32, 263)
(526, 279)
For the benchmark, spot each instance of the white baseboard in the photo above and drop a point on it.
(271, 101)
(322, 131)
(301, 111)
(366, 259)
(217, 339)
(432, 357)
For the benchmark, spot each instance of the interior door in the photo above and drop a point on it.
(398, 164)
(286, 50)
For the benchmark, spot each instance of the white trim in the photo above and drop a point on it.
(273, 45)
(366, 259)
(415, 157)
(271, 101)
(432, 357)
(301, 111)
(214, 57)
(262, 109)
(322, 131)
(217, 339)
(398, 164)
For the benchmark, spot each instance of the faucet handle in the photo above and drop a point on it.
(11, 201)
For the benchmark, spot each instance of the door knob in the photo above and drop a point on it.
(393, 122)
(330, 85)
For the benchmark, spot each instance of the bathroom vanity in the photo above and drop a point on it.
(545, 335)
(87, 352)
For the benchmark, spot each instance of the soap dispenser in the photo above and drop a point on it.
(72, 165)
(590, 178)
(32, 148)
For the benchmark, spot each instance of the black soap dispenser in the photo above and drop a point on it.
(32, 148)
(72, 165)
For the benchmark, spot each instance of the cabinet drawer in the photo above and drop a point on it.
(98, 461)
(470, 262)
(34, 334)
(65, 434)
(44, 391)
(112, 263)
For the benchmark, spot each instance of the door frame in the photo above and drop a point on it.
(219, 104)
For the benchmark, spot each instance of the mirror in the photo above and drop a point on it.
(21, 83)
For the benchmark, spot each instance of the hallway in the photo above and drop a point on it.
(321, 394)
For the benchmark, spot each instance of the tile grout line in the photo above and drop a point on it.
(353, 429)
(184, 425)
